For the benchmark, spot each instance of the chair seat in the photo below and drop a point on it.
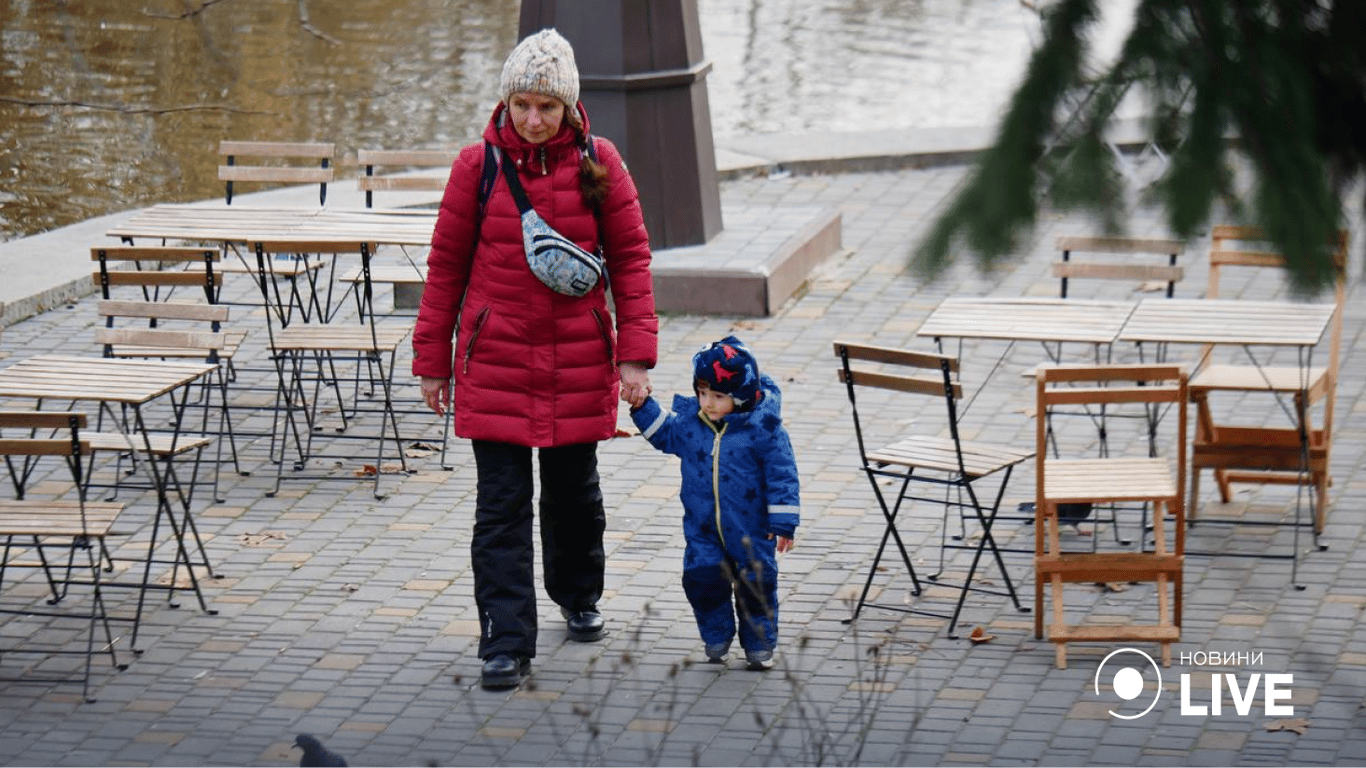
(398, 274)
(278, 267)
(57, 518)
(979, 459)
(338, 338)
(1250, 378)
(1108, 480)
(163, 444)
(231, 342)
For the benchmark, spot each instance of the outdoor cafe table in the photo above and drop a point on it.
(1027, 319)
(1249, 324)
(130, 385)
(245, 224)
(1052, 321)
(238, 226)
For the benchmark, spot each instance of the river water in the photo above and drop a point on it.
(107, 105)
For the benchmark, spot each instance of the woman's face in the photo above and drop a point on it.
(536, 117)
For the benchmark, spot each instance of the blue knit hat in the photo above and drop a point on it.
(728, 366)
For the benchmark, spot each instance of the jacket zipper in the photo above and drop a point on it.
(716, 478)
(606, 337)
(469, 348)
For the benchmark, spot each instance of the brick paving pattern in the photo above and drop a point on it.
(352, 618)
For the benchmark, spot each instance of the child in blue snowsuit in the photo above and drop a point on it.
(739, 493)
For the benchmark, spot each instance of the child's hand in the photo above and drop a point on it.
(784, 543)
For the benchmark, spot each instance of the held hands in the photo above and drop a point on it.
(437, 394)
(635, 383)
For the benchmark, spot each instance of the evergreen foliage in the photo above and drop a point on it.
(1278, 86)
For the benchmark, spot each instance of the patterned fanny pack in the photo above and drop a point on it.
(554, 259)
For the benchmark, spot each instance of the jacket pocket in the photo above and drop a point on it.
(606, 334)
(474, 337)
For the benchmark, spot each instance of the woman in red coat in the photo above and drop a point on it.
(525, 367)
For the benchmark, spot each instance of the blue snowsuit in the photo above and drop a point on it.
(739, 485)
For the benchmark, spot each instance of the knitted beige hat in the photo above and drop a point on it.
(542, 63)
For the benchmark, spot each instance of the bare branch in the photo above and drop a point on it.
(186, 14)
(307, 24)
(129, 110)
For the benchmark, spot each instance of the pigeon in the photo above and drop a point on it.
(315, 754)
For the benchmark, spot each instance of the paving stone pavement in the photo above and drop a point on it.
(351, 618)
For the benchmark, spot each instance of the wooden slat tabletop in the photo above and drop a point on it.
(59, 377)
(243, 224)
(1228, 321)
(1027, 319)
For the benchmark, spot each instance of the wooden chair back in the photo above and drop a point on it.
(153, 268)
(898, 370)
(273, 164)
(1113, 258)
(25, 437)
(372, 180)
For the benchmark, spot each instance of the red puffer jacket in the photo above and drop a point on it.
(531, 366)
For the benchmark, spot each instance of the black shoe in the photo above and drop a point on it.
(503, 671)
(585, 626)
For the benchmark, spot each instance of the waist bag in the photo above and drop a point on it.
(554, 259)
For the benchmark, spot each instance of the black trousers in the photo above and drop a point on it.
(502, 551)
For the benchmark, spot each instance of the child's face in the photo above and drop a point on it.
(714, 404)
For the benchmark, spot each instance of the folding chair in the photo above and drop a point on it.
(943, 461)
(1139, 472)
(34, 528)
(310, 355)
(167, 326)
(1242, 453)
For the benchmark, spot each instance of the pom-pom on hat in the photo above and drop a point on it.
(728, 366)
(542, 63)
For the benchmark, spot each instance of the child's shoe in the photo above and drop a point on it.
(759, 660)
(716, 652)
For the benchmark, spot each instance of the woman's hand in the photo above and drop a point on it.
(437, 394)
(635, 383)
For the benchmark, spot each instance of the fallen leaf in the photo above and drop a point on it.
(1113, 586)
(980, 635)
(625, 432)
(367, 470)
(260, 539)
(1298, 725)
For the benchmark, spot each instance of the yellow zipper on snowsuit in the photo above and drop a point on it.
(716, 472)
